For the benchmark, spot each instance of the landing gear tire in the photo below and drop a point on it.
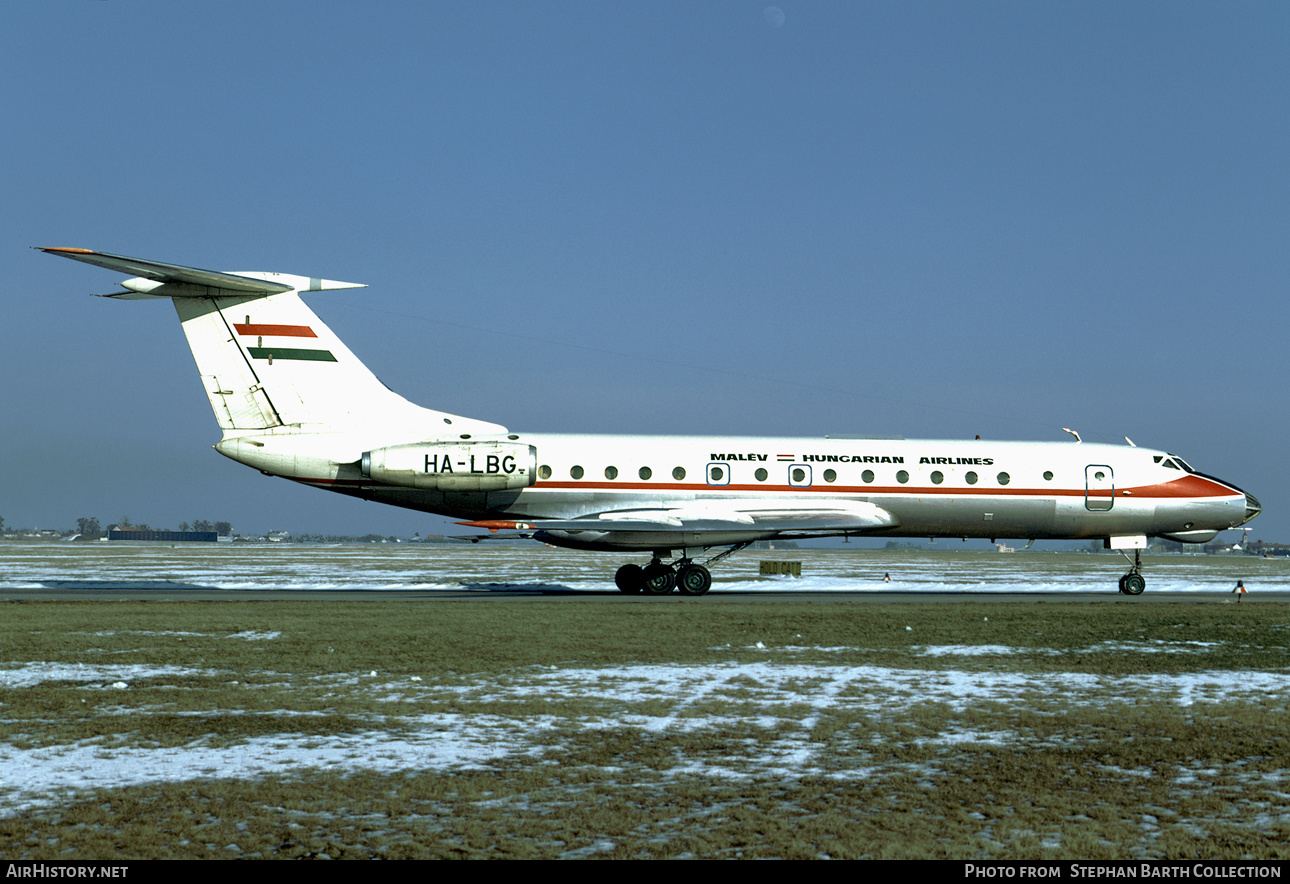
(659, 579)
(1132, 584)
(694, 580)
(630, 579)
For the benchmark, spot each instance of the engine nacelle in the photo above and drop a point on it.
(483, 465)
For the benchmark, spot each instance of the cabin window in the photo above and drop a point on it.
(544, 472)
(1048, 475)
(937, 477)
(830, 475)
(718, 474)
(645, 472)
(761, 474)
(867, 476)
(576, 472)
(902, 477)
(611, 472)
(1004, 478)
(678, 473)
(799, 474)
(970, 477)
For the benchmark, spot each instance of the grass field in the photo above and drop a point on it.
(678, 729)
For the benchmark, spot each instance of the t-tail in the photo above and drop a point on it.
(290, 397)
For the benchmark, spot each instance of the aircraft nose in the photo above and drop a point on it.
(1252, 508)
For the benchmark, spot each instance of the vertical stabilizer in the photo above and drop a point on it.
(266, 360)
(236, 394)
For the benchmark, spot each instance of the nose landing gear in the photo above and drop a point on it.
(1133, 583)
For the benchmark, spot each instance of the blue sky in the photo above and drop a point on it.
(918, 219)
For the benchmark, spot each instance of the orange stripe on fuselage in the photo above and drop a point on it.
(282, 331)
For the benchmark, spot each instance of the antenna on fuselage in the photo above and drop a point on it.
(1073, 433)
(1130, 441)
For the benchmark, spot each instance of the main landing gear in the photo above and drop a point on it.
(1133, 583)
(658, 578)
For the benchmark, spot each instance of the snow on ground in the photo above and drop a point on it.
(36, 776)
(784, 699)
(30, 674)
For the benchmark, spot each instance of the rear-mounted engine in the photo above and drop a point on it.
(482, 465)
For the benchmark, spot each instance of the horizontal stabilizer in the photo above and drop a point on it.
(155, 279)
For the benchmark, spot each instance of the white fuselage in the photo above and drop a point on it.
(931, 488)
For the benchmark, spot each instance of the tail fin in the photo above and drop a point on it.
(266, 360)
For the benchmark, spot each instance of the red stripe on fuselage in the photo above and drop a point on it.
(282, 331)
(1187, 486)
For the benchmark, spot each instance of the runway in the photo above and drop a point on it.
(146, 591)
(451, 572)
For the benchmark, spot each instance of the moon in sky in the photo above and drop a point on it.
(774, 16)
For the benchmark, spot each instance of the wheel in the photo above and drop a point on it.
(1134, 584)
(630, 579)
(1122, 576)
(694, 580)
(659, 579)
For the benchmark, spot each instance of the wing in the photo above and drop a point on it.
(721, 522)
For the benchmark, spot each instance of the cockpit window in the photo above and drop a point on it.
(1168, 462)
(1186, 466)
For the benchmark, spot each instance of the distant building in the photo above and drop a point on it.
(171, 536)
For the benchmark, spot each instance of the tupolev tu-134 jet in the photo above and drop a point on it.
(293, 401)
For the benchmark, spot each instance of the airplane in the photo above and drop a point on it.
(293, 401)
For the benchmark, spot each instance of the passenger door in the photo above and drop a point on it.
(1099, 488)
